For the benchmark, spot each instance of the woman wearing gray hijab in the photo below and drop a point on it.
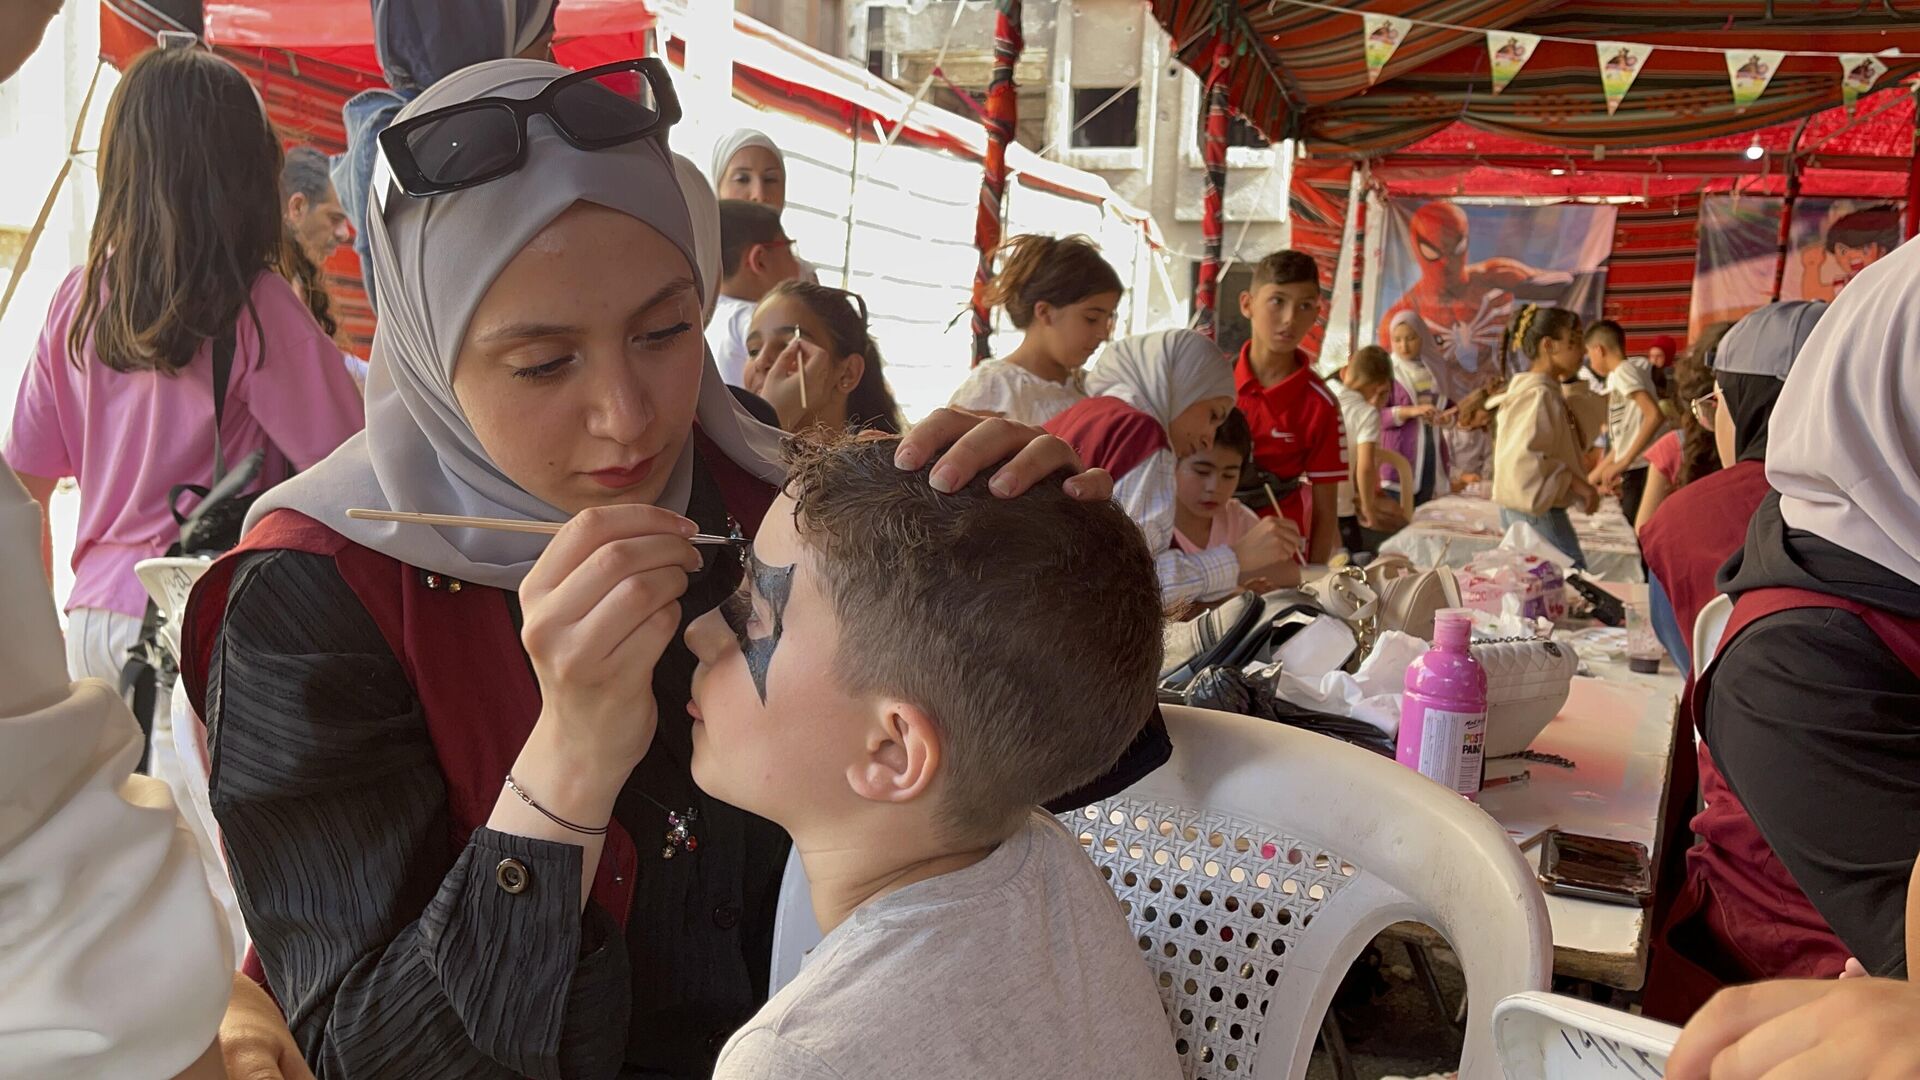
(450, 765)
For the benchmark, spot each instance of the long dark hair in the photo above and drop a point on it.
(870, 405)
(1693, 378)
(1058, 271)
(189, 212)
(310, 282)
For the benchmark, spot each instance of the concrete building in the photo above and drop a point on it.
(1099, 90)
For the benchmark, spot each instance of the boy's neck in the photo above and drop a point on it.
(1270, 365)
(1031, 358)
(845, 876)
(742, 288)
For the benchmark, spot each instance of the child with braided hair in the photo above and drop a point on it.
(1538, 471)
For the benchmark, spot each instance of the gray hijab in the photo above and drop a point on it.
(433, 261)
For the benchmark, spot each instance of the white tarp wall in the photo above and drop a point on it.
(895, 223)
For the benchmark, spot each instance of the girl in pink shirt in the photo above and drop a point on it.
(1206, 515)
(119, 394)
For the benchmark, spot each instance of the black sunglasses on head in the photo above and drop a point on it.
(473, 142)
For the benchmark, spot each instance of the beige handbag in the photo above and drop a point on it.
(1390, 594)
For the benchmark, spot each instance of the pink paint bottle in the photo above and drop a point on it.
(1443, 718)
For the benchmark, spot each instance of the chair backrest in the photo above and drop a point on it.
(1549, 1037)
(169, 581)
(1260, 860)
(1402, 468)
(1255, 866)
(1707, 630)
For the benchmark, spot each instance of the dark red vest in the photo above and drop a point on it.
(1737, 890)
(1110, 434)
(460, 652)
(1697, 530)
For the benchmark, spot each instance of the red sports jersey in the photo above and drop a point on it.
(1297, 431)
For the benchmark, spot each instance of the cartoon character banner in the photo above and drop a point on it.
(1465, 270)
(1830, 242)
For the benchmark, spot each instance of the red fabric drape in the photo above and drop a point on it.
(1003, 110)
(1206, 292)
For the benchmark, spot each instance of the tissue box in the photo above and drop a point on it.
(1537, 585)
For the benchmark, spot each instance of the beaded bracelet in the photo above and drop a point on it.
(550, 815)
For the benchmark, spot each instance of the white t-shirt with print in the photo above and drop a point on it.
(727, 337)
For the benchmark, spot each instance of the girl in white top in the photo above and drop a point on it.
(1064, 296)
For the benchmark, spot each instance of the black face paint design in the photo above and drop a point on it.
(775, 585)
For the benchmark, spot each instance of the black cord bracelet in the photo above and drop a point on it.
(550, 815)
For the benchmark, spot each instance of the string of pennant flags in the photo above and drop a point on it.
(1749, 71)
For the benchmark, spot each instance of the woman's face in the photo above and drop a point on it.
(1657, 356)
(1192, 431)
(580, 370)
(1076, 331)
(756, 175)
(1406, 341)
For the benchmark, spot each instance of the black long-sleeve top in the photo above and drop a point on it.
(394, 952)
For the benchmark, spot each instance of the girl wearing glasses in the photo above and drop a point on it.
(818, 336)
(451, 765)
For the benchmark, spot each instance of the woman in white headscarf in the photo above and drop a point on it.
(1156, 398)
(1410, 418)
(450, 765)
(750, 166)
(1812, 708)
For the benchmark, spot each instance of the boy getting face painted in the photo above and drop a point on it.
(889, 688)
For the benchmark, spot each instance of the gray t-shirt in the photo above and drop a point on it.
(1624, 418)
(1019, 965)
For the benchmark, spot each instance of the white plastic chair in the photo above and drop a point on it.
(1549, 1037)
(169, 581)
(1708, 629)
(1257, 863)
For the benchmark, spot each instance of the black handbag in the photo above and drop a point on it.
(210, 527)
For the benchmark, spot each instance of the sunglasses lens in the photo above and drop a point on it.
(463, 146)
(611, 107)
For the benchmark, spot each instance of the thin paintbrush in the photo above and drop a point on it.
(543, 528)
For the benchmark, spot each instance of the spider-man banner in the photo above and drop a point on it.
(1464, 270)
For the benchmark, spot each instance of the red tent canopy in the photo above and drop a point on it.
(307, 57)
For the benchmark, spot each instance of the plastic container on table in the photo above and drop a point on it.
(1443, 717)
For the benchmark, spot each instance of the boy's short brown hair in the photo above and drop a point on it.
(1370, 366)
(1029, 628)
(1286, 267)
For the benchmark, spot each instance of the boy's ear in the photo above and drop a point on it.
(901, 756)
(1246, 304)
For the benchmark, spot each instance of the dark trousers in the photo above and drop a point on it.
(1633, 487)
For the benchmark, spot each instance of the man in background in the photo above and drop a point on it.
(314, 215)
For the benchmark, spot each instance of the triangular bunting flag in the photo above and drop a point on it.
(1384, 35)
(1510, 52)
(1620, 64)
(1859, 72)
(1751, 70)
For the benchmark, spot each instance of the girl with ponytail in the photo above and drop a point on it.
(1063, 295)
(1537, 466)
